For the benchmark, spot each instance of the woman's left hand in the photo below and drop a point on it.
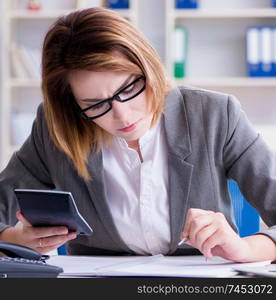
(210, 233)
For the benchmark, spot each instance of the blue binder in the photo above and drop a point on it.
(274, 51)
(266, 51)
(253, 51)
(261, 51)
(186, 4)
(117, 4)
(274, 3)
(247, 218)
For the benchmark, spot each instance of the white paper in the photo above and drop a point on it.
(264, 271)
(158, 265)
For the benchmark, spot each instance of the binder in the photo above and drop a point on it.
(274, 3)
(18, 67)
(253, 55)
(180, 40)
(266, 51)
(29, 60)
(186, 4)
(274, 51)
(117, 4)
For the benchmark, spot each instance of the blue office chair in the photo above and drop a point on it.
(246, 216)
(62, 250)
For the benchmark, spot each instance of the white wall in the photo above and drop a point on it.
(152, 23)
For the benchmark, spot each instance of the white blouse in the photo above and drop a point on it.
(137, 193)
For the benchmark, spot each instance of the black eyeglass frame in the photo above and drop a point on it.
(111, 99)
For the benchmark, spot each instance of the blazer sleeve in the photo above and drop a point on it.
(26, 169)
(249, 161)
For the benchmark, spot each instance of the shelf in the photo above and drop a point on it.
(227, 13)
(53, 14)
(228, 82)
(43, 14)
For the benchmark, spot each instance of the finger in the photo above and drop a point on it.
(43, 232)
(203, 235)
(22, 219)
(55, 240)
(197, 224)
(46, 250)
(211, 242)
(191, 214)
(45, 246)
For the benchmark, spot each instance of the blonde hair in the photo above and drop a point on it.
(94, 39)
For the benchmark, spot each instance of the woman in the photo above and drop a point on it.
(146, 163)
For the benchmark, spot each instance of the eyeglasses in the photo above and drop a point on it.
(127, 93)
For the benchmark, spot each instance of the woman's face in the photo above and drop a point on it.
(129, 120)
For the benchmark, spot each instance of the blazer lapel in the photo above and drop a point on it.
(97, 192)
(180, 171)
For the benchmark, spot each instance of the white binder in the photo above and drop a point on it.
(266, 36)
(253, 51)
(274, 50)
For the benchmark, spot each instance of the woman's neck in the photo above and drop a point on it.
(135, 146)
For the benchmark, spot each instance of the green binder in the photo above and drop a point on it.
(180, 47)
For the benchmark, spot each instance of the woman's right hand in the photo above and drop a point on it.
(42, 239)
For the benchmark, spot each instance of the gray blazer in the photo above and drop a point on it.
(209, 141)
